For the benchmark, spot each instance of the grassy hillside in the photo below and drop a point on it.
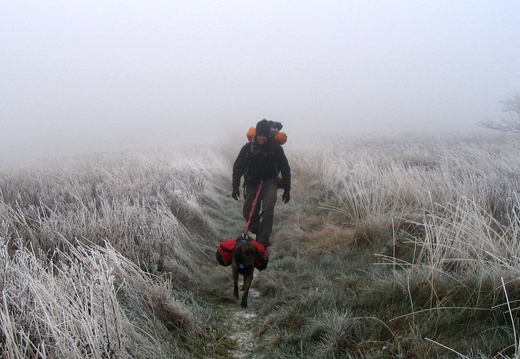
(402, 247)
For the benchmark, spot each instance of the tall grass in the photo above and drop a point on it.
(99, 255)
(94, 304)
(441, 217)
(390, 247)
(147, 207)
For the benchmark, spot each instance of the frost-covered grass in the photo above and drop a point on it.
(413, 243)
(147, 206)
(100, 255)
(390, 247)
(94, 303)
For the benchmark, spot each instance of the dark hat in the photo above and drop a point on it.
(263, 128)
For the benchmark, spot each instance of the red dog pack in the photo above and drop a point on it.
(224, 254)
(225, 251)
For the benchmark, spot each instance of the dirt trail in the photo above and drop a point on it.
(243, 323)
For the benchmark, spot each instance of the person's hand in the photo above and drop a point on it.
(286, 197)
(235, 194)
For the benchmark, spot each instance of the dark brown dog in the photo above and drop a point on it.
(243, 262)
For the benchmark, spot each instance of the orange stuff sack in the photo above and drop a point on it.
(251, 133)
(280, 137)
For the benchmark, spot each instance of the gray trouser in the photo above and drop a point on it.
(266, 202)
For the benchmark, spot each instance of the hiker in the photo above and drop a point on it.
(261, 161)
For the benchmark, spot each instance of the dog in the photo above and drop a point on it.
(243, 262)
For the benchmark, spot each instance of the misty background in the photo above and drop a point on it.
(98, 75)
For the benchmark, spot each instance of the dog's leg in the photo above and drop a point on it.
(248, 278)
(235, 280)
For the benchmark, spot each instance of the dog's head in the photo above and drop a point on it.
(245, 253)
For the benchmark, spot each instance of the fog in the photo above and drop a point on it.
(96, 75)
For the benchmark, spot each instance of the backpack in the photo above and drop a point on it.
(225, 252)
(280, 137)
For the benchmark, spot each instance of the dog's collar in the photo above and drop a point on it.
(244, 237)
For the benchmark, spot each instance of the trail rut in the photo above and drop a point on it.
(243, 323)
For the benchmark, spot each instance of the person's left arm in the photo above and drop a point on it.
(285, 169)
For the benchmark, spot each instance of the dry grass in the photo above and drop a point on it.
(388, 248)
(94, 303)
(97, 254)
(442, 215)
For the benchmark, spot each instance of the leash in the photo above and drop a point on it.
(253, 206)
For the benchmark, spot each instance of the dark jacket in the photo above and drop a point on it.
(257, 163)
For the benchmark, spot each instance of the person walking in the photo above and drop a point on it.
(261, 161)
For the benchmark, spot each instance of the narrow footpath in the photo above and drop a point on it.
(242, 324)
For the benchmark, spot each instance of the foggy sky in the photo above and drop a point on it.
(96, 74)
